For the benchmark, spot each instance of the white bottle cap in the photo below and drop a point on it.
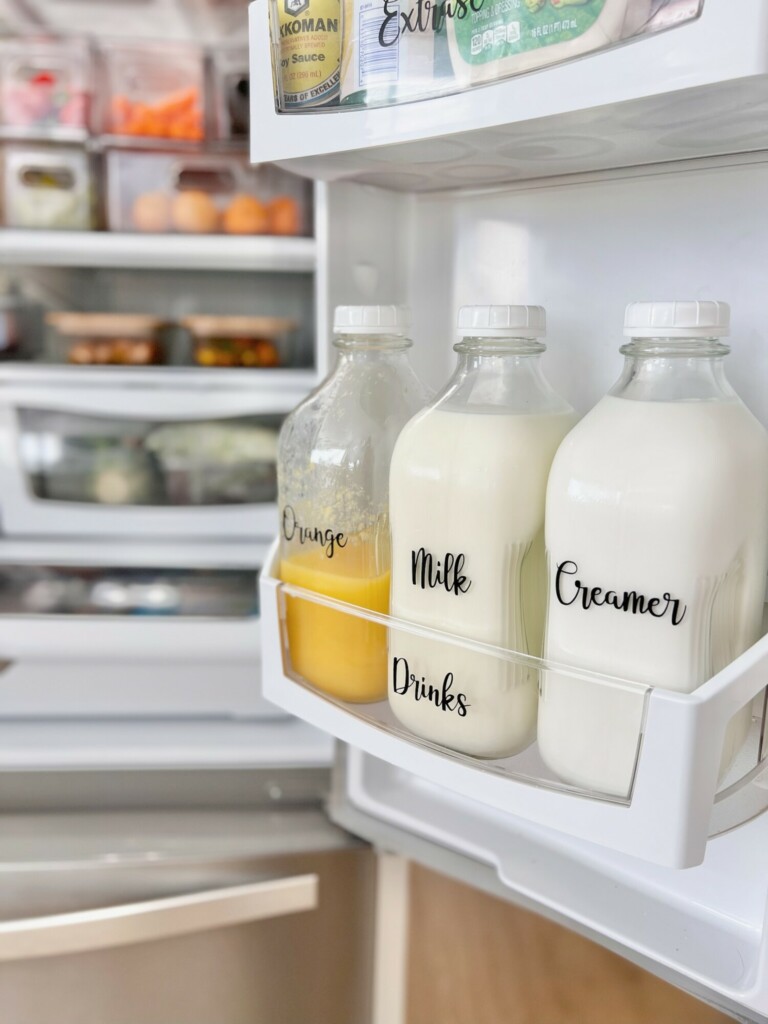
(502, 321)
(371, 320)
(706, 319)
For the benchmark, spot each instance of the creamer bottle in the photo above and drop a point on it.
(657, 522)
(467, 490)
(333, 492)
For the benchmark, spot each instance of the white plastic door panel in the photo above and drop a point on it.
(704, 929)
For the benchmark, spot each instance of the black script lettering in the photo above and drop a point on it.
(628, 601)
(311, 534)
(448, 573)
(426, 14)
(389, 38)
(404, 681)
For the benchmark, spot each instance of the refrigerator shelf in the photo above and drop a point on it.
(698, 90)
(660, 806)
(266, 253)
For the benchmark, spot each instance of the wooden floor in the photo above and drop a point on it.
(478, 960)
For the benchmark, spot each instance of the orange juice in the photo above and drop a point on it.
(340, 654)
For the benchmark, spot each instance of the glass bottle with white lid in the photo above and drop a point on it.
(657, 526)
(334, 453)
(467, 490)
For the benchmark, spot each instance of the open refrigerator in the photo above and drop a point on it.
(633, 172)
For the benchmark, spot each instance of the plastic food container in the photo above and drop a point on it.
(195, 194)
(154, 91)
(45, 87)
(256, 342)
(101, 339)
(230, 88)
(49, 187)
(224, 462)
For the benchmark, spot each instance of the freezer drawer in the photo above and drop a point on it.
(196, 918)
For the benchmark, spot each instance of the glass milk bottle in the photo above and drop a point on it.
(467, 490)
(333, 491)
(657, 522)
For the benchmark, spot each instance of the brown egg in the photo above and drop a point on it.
(195, 213)
(245, 215)
(152, 212)
(284, 216)
(81, 353)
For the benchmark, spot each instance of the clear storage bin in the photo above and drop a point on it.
(255, 342)
(100, 339)
(195, 194)
(153, 90)
(47, 187)
(120, 592)
(230, 92)
(392, 53)
(69, 457)
(45, 87)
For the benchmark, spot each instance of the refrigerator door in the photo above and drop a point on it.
(184, 916)
(704, 929)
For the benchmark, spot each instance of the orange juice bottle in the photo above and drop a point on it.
(333, 484)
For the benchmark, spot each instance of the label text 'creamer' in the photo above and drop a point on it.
(572, 591)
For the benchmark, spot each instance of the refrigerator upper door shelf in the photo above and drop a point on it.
(672, 802)
(698, 90)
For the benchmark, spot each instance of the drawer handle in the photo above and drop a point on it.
(123, 925)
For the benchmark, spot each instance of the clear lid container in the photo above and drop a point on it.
(203, 194)
(45, 86)
(153, 90)
(47, 187)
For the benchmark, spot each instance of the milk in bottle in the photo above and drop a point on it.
(657, 522)
(467, 487)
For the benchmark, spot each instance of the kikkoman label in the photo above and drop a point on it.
(310, 48)
(505, 28)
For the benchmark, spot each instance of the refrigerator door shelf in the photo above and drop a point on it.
(672, 802)
(704, 929)
(698, 90)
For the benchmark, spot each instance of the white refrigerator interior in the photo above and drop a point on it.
(631, 175)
